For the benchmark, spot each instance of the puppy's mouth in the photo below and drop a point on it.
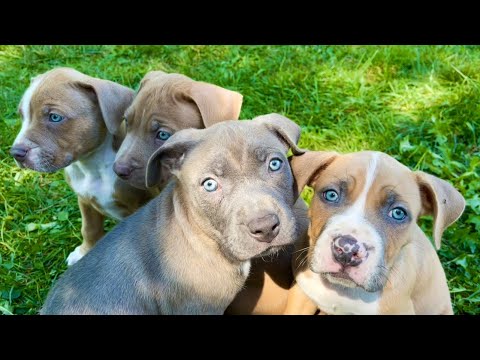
(340, 278)
(45, 164)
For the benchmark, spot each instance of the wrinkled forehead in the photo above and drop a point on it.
(375, 173)
(162, 97)
(238, 145)
(54, 88)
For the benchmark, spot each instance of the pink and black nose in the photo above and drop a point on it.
(19, 152)
(122, 170)
(264, 228)
(347, 251)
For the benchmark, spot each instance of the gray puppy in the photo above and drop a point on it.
(188, 251)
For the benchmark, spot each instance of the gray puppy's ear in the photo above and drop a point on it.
(440, 199)
(284, 128)
(169, 158)
(113, 99)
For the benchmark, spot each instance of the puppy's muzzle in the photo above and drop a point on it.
(348, 251)
(264, 227)
(19, 152)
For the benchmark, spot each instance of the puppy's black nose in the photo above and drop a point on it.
(348, 251)
(264, 228)
(19, 152)
(122, 170)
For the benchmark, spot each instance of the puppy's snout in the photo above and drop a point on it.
(264, 228)
(347, 251)
(19, 152)
(122, 170)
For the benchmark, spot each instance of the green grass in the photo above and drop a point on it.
(420, 104)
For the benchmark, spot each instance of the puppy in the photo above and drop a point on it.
(366, 254)
(166, 103)
(71, 121)
(188, 251)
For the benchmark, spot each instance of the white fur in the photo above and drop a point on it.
(351, 222)
(26, 99)
(93, 177)
(337, 300)
(245, 269)
(74, 256)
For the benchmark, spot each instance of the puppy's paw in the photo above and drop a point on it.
(75, 255)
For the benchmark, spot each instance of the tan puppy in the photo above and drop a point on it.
(366, 254)
(71, 121)
(188, 251)
(166, 103)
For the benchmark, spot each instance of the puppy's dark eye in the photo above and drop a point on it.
(398, 213)
(330, 195)
(163, 135)
(55, 117)
(275, 164)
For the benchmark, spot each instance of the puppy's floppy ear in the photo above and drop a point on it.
(307, 167)
(283, 128)
(113, 99)
(215, 103)
(440, 199)
(168, 159)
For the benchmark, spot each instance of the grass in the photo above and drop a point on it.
(421, 104)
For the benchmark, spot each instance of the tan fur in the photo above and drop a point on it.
(416, 280)
(170, 102)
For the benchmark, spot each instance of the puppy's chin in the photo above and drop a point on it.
(136, 182)
(373, 284)
(46, 164)
(340, 280)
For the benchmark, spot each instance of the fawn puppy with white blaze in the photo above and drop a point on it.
(365, 253)
(232, 198)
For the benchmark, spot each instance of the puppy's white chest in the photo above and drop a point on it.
(335, 302)
(94, 179)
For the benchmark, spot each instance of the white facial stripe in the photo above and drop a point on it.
(26, 99)
(358, 207)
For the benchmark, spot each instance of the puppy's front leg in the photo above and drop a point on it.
(92, 230)
(298, 303)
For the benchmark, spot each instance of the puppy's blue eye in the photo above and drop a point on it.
(398, 213)
(163, 135)
(210, 185)
(275, 164)
(55, 117)
(330, 195)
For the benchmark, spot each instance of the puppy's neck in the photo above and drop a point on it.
(101, 157)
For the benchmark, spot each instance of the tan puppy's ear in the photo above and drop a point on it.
(284, 128)
(440, 199)
(149, 76)
(307, 167)
(168, 159)
(215, 103)
(113, 99)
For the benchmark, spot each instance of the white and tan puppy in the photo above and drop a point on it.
(366, 254)
(71, 121)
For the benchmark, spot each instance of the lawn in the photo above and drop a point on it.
(421, 104)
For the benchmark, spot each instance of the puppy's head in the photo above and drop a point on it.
(365, 207)
(166, 103)
(65, 115)
(236, 182)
